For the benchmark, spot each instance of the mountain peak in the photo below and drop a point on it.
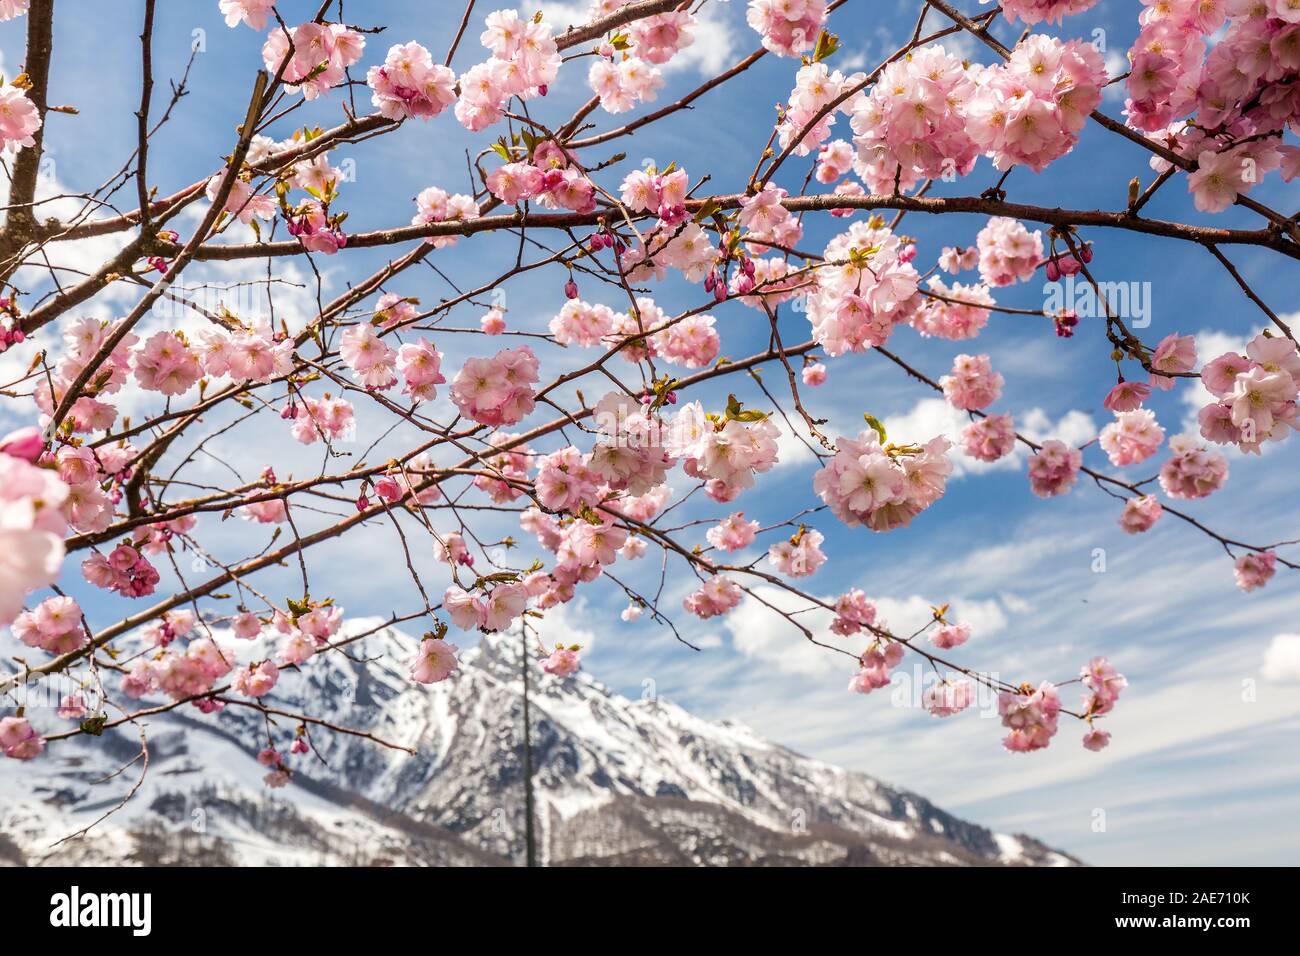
(616, 780)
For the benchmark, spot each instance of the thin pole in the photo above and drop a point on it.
(530, 839)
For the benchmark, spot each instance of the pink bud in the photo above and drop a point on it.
(571, 289)
(362, 502)
(1053, 270)
(1085, 252)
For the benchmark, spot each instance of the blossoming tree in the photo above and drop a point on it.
(593, 424)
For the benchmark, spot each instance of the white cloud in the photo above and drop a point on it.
(760, 632)
(1282, 660)
(1116, 65)
(792, 445)
(1074, 427)
(934, 416)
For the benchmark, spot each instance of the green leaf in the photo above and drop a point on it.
(827, 44)
(875, 423)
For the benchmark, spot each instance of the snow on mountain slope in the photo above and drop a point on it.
(616, 781)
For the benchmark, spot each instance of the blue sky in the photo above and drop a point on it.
(1198, 769)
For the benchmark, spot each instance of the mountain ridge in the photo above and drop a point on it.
(617, 781)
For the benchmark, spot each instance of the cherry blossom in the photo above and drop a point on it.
(409, 84)
(19, 740)
(989, 439)
(1194, 471)
(1255, 570)
(252, 13)
(1030, 716)
(19, 120)
(718, 595)
(1140, 514)
(948, 698)
(1132, 437)
(788, 27)
(1008, 251)
(434, 661)
(972, 384)
(562, 662)
(1054, 469)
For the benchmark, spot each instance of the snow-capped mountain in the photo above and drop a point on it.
(616, 781)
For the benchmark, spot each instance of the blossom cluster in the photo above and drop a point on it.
(867, 289)
(409, 84)
(497, 390)
(788, 27)
(1223, 105)
(883, 487)
(321, 54)
(1256, 394)
(523, 63)
(931, 115)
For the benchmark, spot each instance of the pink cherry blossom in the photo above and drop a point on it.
(989, 439)
(434, 661)
(788, 27)
(18, 740)
(1054, 469)
(13, 8)
(1126, 396)
(497, 390)
(256, 680)
(853, 612)
(716, 596)
(1194, 471)
(19, 119)
(1255, 570)
(948, 698)
(972, 384)
(1096, 739)
(1140, 514)
(1030, 716)
(733, 534)
(1008, 251)
(410, 84)
(800, 555)
(864, 485)
(253, 13)
(1104, 684)
(1132, 437)
(947, 636)
(561, 662)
